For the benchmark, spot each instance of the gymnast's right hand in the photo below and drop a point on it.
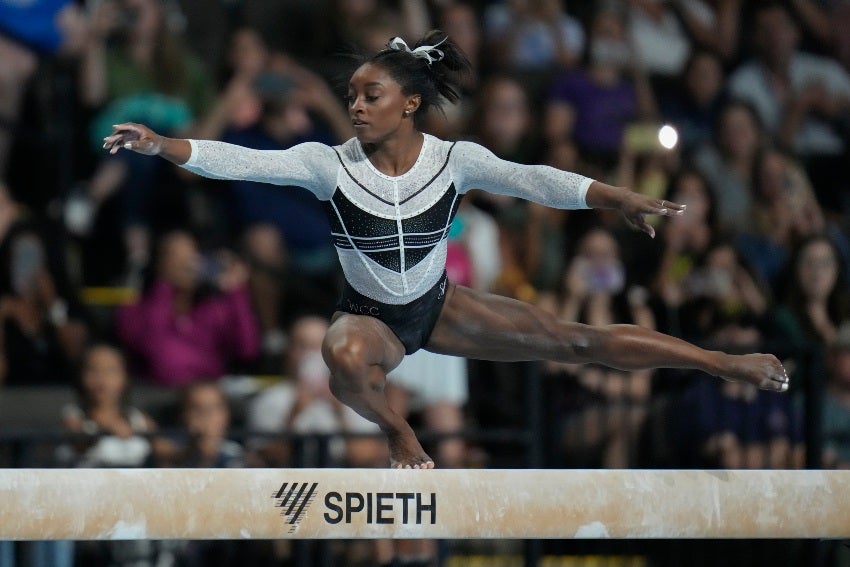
(135, 137)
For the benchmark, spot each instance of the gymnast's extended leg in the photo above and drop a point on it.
(490, 327)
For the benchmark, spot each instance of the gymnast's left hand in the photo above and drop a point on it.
(136, 137)
(635, 207)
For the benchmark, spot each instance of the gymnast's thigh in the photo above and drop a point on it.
(486, 326)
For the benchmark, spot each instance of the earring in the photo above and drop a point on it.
(407, 113)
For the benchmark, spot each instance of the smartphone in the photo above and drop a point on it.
(273, 84)
(605, 278)
(643, 138)
(211, 268)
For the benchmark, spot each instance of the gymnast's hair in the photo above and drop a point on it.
(433, 80)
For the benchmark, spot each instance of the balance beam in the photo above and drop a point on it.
(96, 504)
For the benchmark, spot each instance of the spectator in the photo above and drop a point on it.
(801, 99)
(19, 65)
(504, 123)
(839, 21)
(836, 408)
(666, 33)
(785, 211)
(109, 433)
(686, 240)
(713, 25)
(239, 105)
(729, 162)
(30, 31)
(721, 288)
(302, 403)
(460, 22)
(206, 28)
(42, 329)
(205, 415)
(285, 230)
(271, 102)
(816, 27)
(660, 40)
(693, 106)
(601, 410)
(503, 120)
(592, 106)
(736, 426)
(361, 25)
(136, 67)
(816, 299)
(533, 35)
(731, 426)
(195, 319)
(480, 239)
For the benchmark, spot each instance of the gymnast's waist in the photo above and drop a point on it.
(368, 302)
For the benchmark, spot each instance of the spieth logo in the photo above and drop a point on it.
(381, 507)
(293, 500)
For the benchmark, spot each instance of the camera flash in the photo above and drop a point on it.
(668, 137)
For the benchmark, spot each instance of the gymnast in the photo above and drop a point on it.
(390, 194)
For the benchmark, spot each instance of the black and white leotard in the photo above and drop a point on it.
(390, 232)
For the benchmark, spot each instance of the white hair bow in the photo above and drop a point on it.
(429, 53)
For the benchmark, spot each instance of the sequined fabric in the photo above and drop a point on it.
(390, 231)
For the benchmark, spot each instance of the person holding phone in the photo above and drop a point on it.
(188, 326)
(42, 327)
(601, 410)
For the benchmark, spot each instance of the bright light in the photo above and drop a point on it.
(668, 137)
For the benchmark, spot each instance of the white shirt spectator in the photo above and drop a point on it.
(661, 44)
(751, 82)
(534, 46)
(269, 411)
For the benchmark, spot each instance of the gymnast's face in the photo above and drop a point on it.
(377, 106)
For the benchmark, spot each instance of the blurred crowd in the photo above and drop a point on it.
(120, 270)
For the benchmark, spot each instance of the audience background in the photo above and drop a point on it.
(196, 283)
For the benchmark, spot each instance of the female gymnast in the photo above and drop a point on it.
(391, 193)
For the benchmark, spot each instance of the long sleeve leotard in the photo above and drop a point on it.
(390, 232)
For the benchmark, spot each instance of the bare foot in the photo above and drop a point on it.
(407, 453)
(762, 370)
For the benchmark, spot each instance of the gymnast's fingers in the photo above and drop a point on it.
(638, 222)
(664, 208)
(131, 136)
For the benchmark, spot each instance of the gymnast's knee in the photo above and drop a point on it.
(346, 359)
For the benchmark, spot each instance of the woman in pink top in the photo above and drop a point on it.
(183, 335)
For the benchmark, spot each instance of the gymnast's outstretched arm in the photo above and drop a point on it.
(310, 165)
(476, 167)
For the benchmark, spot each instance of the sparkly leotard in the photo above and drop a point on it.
(390, 232)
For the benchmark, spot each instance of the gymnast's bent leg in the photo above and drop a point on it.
(360, 351)
(480, 325)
